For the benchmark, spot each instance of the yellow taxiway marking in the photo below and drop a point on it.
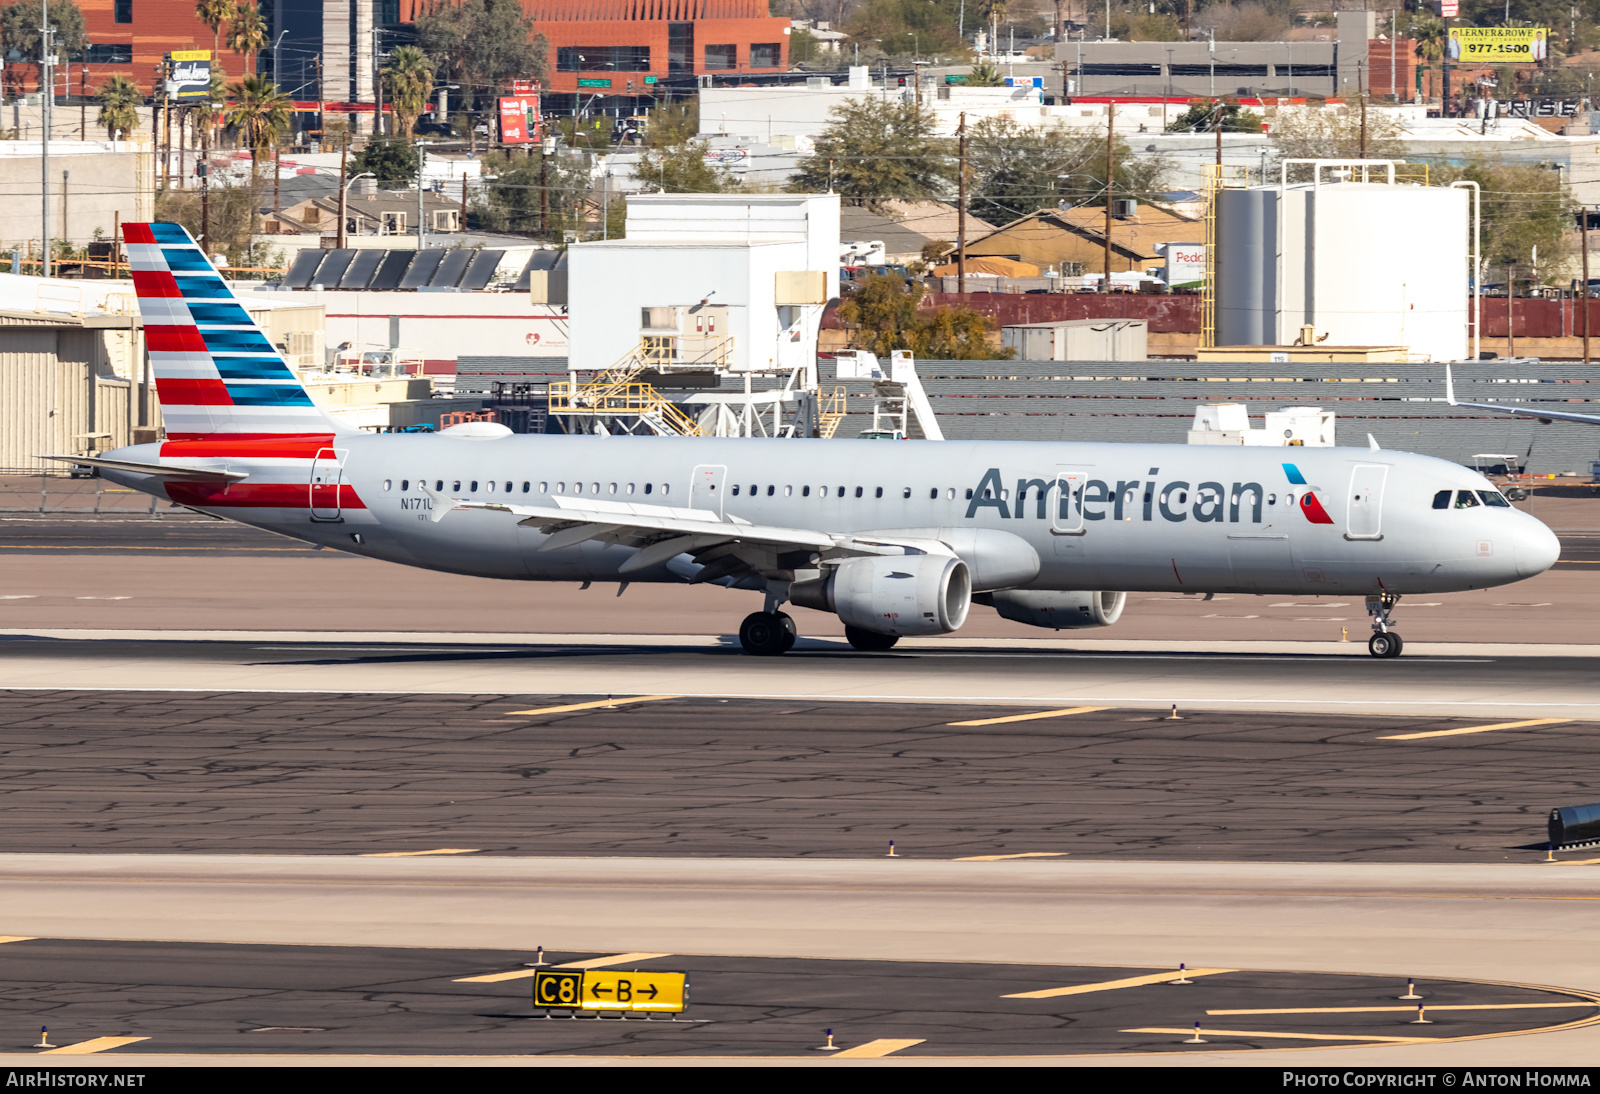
(1408, 1010)
(1288, 1036)
(97, 1044)
(1474, 729)
(415, 854)
(1024, 854)
(881, 1047)
(1110, 985)
(591, 963)
(623, 701)
(4, 938)
(1030, 717)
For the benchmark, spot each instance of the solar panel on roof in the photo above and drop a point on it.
(304, 265)
(362, 267)
(333, 268)
(481, 271)
(451, 269)
(392, 270)
(422, 268)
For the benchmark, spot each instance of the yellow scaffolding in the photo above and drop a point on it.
(1218, 177)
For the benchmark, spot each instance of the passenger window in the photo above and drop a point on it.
(509, 485)
(577, 488)
(771, 490)
(950, 493)
(594, 488)
(649, 486)
(491, 487)
(525, 487)
(805, 491)
(561, 488)
(456, 487)
(1466, 500)
(612, 489)
(1005, 495)
(544, 487)
(933, 494)
(735, 489)
(1441, 500)
(630, 488)
(879, 493)
(841, 491)
(907, 494)
(858, 491)
(405, 484)
(969, 493)
(1495, 498)
(438, 486)
(387, 483)
(1272, 499)
(788, 491)
(1288, 499)
(666, 488)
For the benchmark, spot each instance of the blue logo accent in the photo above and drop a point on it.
(1294, 474)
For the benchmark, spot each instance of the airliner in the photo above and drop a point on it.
(895, 538)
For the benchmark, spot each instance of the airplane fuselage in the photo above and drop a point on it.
(1127, 517)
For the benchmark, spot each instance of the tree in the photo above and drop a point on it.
(482, 45)
(683, 169)
(1017, 170)
(392, 161)
(984, 74)
(231, 217)
(1249, 21)
(214, 13)
(1433, 39)
(409, 80)
(19, 29)
(1324, 134)
(260, 114)
(1203, 116)
(884, 315)
(873, 151)
(514, 201)
(904, 27)
(120, 99)
(1524, 206)
(247, 33)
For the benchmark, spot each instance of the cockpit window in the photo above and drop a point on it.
(1466, 499)
(1441, 500)
(1494, 497)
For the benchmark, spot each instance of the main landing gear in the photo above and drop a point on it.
(1384, 642)
(767, 634)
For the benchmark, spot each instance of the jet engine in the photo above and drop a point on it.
(1059, 611)
(892, 594)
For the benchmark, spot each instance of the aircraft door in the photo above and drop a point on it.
(707, 486)
(327, 469)
(1066, 518)
(1366, 501)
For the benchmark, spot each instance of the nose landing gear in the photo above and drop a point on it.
(1384, 642)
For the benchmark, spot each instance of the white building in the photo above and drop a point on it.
(723, 282)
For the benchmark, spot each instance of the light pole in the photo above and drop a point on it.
(422, 227)
(344, 198)
(277, 79)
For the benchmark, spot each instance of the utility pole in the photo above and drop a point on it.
(961, 205)
(1583, 219)
(344, 158)
(1511, 309)
(1361, 90)
(422, 228)
(47, 93)
(377, 88)
(1111, 174)
(1219, 142)
(204, 167)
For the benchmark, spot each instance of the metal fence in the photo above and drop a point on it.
(23, 491)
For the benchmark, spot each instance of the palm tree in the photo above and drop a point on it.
(120, 99)
(409, 79)
(260, 114)
(984, 75)
(1433, 39)
(247, 33)
(213, 13)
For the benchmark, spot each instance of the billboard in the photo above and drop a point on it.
(519, 120)
(190, 76)
(1498, 45)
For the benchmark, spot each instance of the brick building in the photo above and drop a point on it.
(127, 38)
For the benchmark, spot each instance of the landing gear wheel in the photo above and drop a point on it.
(790, 633)
(870, 641)
(1385, 644)
(764, 634)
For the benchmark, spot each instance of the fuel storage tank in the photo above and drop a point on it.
(1364, 263)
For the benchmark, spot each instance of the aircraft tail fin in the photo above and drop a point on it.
(218, 375)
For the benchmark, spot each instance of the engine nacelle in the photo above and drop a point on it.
(1057, 610)
(893, 594)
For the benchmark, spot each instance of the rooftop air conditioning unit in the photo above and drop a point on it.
(1124, 207)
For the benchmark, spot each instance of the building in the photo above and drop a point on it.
(1191, 70)
(378, 213)
(1073, 240)
(94, 185)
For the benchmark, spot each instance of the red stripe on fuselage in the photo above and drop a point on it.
(278, 446)
(174, 339)
(259, 495)
(155, 283)
(137, 233)
(192, 392)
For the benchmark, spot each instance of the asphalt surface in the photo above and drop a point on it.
(200, 998)
(205, 773)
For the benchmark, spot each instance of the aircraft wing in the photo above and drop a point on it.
(725, 546)
(1518, 411)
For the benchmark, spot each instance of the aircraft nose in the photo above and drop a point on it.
(1537, 549)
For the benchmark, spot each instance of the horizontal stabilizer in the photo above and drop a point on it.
(156, 470)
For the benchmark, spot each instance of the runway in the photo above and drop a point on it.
(1381, 922)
